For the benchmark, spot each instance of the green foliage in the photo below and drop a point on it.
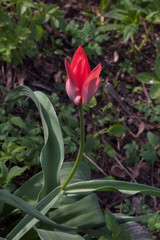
(152, 113)
(128, 16)
(54, 235)
(127, 20)
(20, 145)
(132, 151)
(104, 5)
(117, 130)
(21, 28)
(14, 41)
(152, 79)
(110, 151)
(128, 209)
(91, 145)
(117, 231)
(88, 35)
(74, 208)
(126, 66)
(153, 223)
(52, 152)
(148, 152)
(107, 115)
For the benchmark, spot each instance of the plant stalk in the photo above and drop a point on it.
(146, 37)
(81, 148)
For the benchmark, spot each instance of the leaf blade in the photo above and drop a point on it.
(41, 207)
(56, 235)
(52, 154)
(112, 185)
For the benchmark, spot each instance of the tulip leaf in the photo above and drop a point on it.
(17, 202)
(42, 207)
(80, 213)
(29, 191)
(111, 185)
(82, 174)
(52, 154)
(57, 235)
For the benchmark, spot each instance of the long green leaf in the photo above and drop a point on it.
(111, 185)
(29, 191)
(125, 218)
(52, 154)
(83, 172)
(56, 235)
(80, 213)
(42, 207)
(15, 201)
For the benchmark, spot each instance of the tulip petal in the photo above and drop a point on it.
(72, 88)
(90, 84)
(80, 66)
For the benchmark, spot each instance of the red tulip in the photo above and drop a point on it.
(81, 82)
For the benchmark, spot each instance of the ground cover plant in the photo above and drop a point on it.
(49, 188)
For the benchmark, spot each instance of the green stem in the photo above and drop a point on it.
(81, 148)
(146, 37)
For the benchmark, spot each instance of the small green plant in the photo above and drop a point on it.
(152, 79)
(153, 223)
(107, 115)
(127, 208)
(126, 66)
(148, 152)
(88, 35)
(129, 16)
(132, 152)
(116, 230)
(104, 5)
